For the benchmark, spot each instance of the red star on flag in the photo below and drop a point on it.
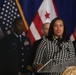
(47, 15)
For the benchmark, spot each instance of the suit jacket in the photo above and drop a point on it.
(15, 54)
(34, 48)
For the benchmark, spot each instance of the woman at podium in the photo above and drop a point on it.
(57, 46)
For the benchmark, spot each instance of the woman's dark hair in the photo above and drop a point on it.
(51, 30)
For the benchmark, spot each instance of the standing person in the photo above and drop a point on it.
(56, 46)
(16, 52)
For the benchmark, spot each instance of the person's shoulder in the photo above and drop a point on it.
(69, 42)
(37, 41)
(11, 36)
(4, 38)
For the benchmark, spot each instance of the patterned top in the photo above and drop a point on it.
(50, 50)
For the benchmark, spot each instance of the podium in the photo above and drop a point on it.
(59, 66)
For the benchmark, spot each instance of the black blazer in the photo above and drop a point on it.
(34, 48)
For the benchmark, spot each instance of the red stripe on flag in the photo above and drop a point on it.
(74, 35)
(38, 24)
(30, 35)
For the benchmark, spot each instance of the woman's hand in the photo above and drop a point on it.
(39, 66)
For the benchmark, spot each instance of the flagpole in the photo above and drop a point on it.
(22, 14)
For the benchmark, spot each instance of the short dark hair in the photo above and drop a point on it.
(51, 30)
(17, 20)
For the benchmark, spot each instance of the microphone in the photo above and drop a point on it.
(59, 42)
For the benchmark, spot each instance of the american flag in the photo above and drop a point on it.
(36, 12)
(9, 12)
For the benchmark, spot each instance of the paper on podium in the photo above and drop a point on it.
(56, 65)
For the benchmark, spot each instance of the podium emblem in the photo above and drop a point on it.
(69, 71)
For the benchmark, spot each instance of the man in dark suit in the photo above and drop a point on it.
(45, 28)
(15, 51)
